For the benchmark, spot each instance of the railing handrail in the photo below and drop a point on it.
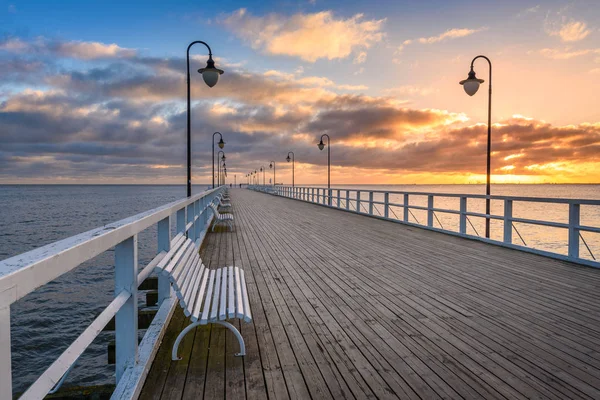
(23, 273)
(559, 200)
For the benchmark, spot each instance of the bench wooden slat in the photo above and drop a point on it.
(215, 302)
(187, 290)
(209, 292)
(231, 289)
(239, 305)
(223, 302)
(175, 244)
(247, 312)
(180, 271)
(167, 270)
(200, 296)
(194, 291)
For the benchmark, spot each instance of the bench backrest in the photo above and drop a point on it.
(214, 208)
(185, 269)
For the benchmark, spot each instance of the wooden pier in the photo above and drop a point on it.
(347, 306)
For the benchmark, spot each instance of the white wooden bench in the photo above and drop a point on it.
(223, 219)
(207, 296)
(223, 203)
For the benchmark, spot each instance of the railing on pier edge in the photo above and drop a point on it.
(24, 273)
(334, 198)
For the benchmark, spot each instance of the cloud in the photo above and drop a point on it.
(558, 54)
(125, 121)
(530, 10)
(448, 35)
(568, 30)
(70, 49)
(92, 50)
(411, 90)
(360, 58)
(307, 36)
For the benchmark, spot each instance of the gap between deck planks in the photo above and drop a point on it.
(347, 306)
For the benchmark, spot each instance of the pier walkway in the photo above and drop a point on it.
(347, 306)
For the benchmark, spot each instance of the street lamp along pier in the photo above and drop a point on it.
(210, 74)
(471, 85)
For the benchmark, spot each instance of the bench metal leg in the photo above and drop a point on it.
(237, 334)
(180, 338)
(227, 325)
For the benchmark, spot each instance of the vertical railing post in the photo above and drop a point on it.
(313, 194)
(205, 213)
(370, 203)
(508, 213)
(126, 320)
(164, 244)
(5, 353)
(347, 199)
(574, 220)
(180, 221)
(358, 201)
(329, 197)
(386, 205)
(430, 210)
(198, 224)
(190, 218)
(462, 223)
(338, 198)
(406, 209)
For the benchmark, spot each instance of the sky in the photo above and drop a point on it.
(95, 91)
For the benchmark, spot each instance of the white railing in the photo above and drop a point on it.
(22, 274)
(381, 204)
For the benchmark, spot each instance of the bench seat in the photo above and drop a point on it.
(207, 296)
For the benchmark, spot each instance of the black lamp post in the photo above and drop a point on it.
(223, 170)
(262, 169)
(210, 74)
(471, 85)
(321, 146)
(221, 145)
(272, 165)
(293, 162)
(219, 165)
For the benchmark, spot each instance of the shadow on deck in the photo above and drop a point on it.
(347, 306)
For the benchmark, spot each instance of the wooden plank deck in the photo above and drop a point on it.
(347, 306)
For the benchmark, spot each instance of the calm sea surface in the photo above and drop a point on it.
(45, 322)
